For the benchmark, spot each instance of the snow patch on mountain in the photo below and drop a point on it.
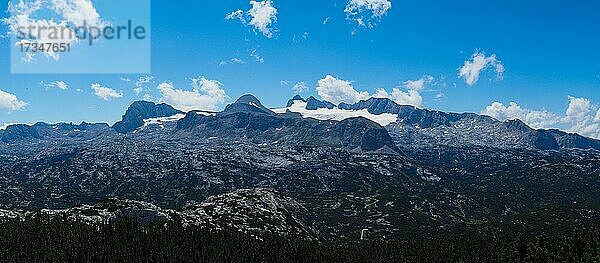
(337, 114)
(253, 104)
(163, 120)
(206, 113)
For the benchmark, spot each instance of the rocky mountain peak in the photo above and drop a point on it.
(19, 132)
(140, 110)
(248, 104)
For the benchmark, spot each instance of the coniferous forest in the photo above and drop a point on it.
(46, 239)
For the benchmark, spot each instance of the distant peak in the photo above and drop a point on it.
(518, 124)
(380, 100)
(148, 109)
(247, 103)
(314, 104)
(141, 103)
(375, 105)
(248, 99)
(294, 100)
(140, 110)
(18, 132)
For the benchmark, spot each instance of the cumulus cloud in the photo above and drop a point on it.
(418, 84)
(78, 12)
(261, 16)
(47, 17)
(10, 102)
(56, 85)
(409, 97)
(578, 107)
(473, 67)
(105, 93)
(367, 13)
(581, 116)
(537, 119)
(338, 91)
(205, 95)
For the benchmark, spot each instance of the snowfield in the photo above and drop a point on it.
(337, 114)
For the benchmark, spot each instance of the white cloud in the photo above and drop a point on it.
(535, 119)
(141, 83)
(205, 95)
(46, 18)
(337, 91)
(28, 57)
(237, 61)
(105, 93)
(381, 93)
(473, 67)
(410, 97)
(587, 128)
(148, 97)
(79, 12)
(367, 12)
(261, 16)
(578, 107)
(10, 102)
(238, 14)
(56, 85)
(581, 116)
(256, 56)
(419, 84)
(232, 61)
(300, 87)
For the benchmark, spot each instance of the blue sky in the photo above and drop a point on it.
(548, 50)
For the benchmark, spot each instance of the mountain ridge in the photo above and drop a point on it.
(425, 122)
(413, 126)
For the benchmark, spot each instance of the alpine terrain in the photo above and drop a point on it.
(312, 170)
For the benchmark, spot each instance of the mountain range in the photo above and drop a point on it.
(412, 126)
(395, 170)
